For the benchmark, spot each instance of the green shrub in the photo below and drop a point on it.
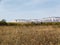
(3, 22)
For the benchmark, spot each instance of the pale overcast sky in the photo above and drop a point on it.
(28, 9)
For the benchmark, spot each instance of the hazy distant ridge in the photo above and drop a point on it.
(48, 19)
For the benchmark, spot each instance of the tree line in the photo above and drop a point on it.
(3, 22)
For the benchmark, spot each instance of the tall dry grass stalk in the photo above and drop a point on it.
(30, 35)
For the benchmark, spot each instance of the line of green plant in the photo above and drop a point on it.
(3, 23)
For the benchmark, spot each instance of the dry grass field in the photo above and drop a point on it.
(30, 35)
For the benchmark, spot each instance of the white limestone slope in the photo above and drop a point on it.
(51, 19)
(48, 19)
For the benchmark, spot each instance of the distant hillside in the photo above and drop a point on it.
(43, 21)
(51, 19)
(48, 19)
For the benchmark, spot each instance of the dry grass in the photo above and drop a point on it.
(30, 35)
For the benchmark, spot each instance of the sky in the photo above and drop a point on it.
(29, 9)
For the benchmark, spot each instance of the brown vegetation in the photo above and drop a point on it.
(30, 35)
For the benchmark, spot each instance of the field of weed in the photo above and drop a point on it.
(30, 35)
